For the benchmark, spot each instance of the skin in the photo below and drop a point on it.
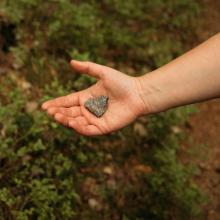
(191, 78)
(124, 104)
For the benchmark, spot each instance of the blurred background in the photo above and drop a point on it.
(162, 167)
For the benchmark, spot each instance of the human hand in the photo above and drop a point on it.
(124, 104)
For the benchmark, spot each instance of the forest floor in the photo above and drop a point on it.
(204, 128)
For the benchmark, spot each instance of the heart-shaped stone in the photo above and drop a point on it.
(97, 106)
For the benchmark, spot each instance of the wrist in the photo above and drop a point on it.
(155, 92)
(146, 92)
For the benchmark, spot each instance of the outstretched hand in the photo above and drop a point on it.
(124, 105)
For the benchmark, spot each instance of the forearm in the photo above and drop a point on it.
(191, 78)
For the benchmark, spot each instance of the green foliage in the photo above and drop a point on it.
(49, 33)
(48, 171)
(42, 166)
(28, 141)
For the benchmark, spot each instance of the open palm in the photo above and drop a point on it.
(124, 104)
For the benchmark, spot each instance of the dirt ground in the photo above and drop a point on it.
(205, 139)
(204, 127)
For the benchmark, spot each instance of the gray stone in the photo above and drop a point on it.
(97, 106)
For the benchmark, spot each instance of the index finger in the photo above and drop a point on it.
(63, 101)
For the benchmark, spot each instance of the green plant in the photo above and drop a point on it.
(49, 33)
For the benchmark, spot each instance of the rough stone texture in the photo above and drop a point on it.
(97, 106)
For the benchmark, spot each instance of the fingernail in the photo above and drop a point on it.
(72, 61)
(58, 116)
(75, 62)
(50, 111)
(44, 106)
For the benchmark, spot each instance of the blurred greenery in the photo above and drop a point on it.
(50, 172)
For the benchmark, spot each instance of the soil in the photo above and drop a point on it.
(203, 149)
(204, 130)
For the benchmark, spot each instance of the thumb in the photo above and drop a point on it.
(86, 67)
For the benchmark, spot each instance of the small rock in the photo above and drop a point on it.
(25, 85)
(140, 129)
(176, 129)
(94, 204)
(204, 166)
(31, 106)
(97, 106)
(142, 169)
(108, 170)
